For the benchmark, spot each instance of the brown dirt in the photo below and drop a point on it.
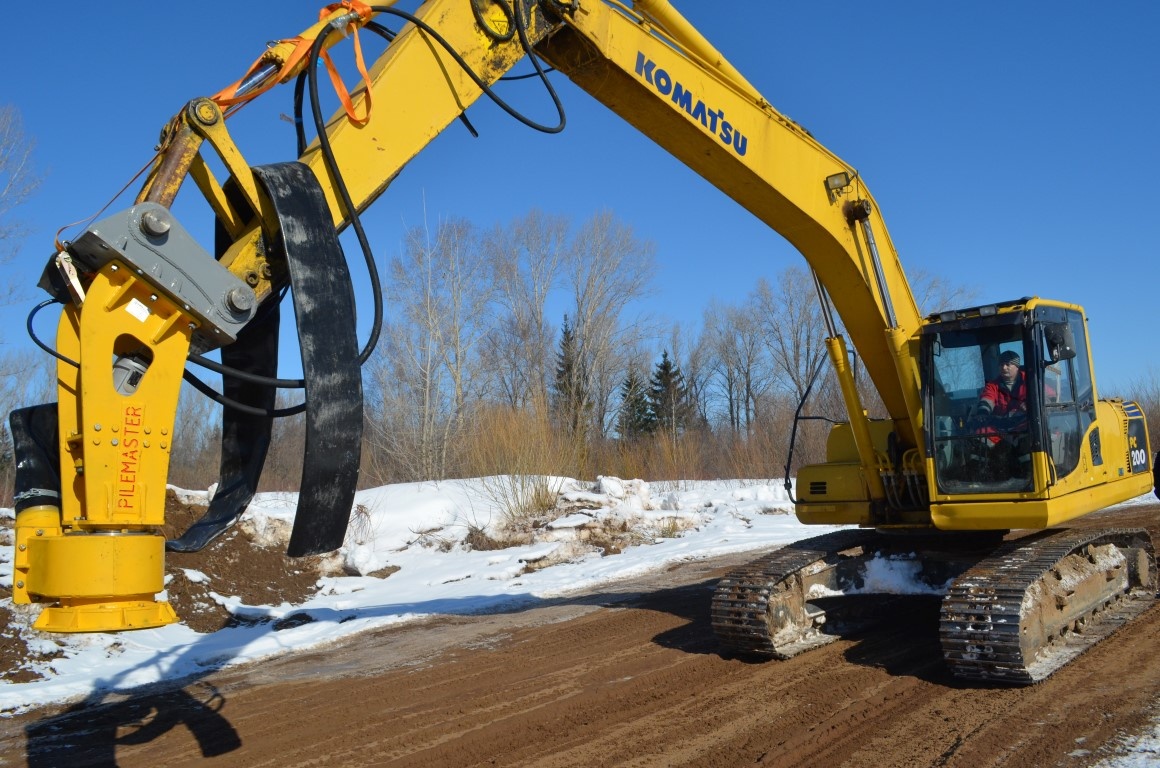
(628, 676)
(235, 566)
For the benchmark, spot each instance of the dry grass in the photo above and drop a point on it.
(516, 453)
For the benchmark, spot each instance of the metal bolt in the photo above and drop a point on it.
(97, 427)
(155, 222)
(39, 531)
(23, 547)
(240, 300)
(115, 441)
(251, 279)
(20, 585)
(206, 112)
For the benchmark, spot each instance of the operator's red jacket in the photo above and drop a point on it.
(1006, 401)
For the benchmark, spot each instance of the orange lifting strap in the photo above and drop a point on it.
(299, 46)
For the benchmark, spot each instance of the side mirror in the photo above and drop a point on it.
(1060, 341)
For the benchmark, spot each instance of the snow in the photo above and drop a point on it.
(393, 527)
(396, 526)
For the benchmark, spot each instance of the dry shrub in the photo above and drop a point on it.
(361, 527)
(516, 452)
(691, 455)
(679, 457)
(479, 540)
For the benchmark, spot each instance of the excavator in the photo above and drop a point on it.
(973, 500)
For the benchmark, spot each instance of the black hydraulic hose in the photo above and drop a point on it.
(252, 378)
(36, 339)
(793, 431)
(484, 87)
(227, 402)
(299, 125)
(531, 54)
(348, 203)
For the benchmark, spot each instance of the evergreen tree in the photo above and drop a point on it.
(636, 417)
(570, 395)
(669, 396)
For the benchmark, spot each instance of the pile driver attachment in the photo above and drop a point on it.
(102, 565)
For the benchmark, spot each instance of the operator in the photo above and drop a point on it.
(1002, 411)
(1006, 396)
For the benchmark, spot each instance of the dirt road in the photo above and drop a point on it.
(631, 676)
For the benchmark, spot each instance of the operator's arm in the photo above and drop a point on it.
(987, 400)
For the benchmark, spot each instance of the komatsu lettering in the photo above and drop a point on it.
(713, 119)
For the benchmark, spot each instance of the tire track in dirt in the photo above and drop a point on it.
(630, 677)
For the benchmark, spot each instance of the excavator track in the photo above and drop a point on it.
(762, 607)
(1014, 612)
(1033, 606)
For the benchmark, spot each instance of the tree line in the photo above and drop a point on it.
(474, 375)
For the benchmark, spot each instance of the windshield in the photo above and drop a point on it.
(979, 411)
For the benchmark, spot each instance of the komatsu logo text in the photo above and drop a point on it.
(713, 119)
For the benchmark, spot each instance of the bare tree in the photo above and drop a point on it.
(695, 356)
(742, 363)
(525, 261)
(197, 436)
(793, 329)
(608, 268)
(429, 369)
(933, 293)
(17, 179)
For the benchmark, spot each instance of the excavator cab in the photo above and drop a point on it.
(1006, 382)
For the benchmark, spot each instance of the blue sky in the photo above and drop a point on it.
(1010, 146)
